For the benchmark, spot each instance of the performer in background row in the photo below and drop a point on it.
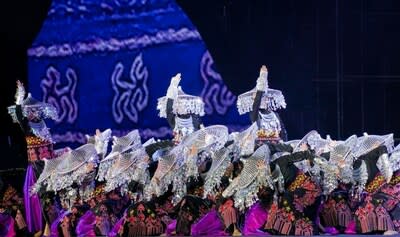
(182, 111)
(30, 114)
(262, 102)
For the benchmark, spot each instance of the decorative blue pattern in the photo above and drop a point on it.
(104, 64)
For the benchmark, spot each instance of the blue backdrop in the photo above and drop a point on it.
(104, 64)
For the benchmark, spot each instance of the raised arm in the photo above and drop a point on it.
(170, 114)
(262, 86)
(172, 93)
(283, 133)
(19, 97)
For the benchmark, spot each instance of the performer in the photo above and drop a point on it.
(296, 211)
(335, 166)
(262, 102)
(30, 114)
(12, 221)
(182, 111)
(142, 220)
(392, 189)
(372, 174)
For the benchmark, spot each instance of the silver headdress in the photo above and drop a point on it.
(338, 168)
(220, 162)
(245, 140)
(100, 140)
(272, 100)
(73, 167)
(34, 109)
(318, 144)
(368, 143)
(342, 157)
(211, 138)
(49, 170)
(164, 174)
(128, 167)
(360, 176)
(330, 180)
(255, 174)
(179, 164)
(385, 167)
(311, 136)
(120, 145)
(395, 158)
(183, 104)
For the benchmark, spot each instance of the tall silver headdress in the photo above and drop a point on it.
(215, 136)
(49, 170)
(120, 145)
(100, 141)
(72, 167)
(245, 140)
(368, 143)
(255, 174)
(272, 100)
(179, 164)
(183, 104)
(128, 167)
(339, 167)
(220, 162)
(34, 109)
(164, 174)
(311, 136)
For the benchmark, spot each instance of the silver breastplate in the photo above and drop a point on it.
(269, 122)
(40, 130)
(183, 126)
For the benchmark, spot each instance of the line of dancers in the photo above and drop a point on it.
(204, 181)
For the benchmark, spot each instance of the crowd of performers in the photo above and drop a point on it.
(205, 181)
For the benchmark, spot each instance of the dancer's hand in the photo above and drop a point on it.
(262, 81)
(175, 80)
(172, 91)
(263, 70)
(303, 147)
(20, 94)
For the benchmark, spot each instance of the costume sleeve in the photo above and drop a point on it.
(374, 154)
(279, 147)
(23, 122)
(326, 155)
(170, 114)
(256, 106)
(301, 155)
(196, 121)
(283, 133)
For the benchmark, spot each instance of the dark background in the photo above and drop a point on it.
(336, 61)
